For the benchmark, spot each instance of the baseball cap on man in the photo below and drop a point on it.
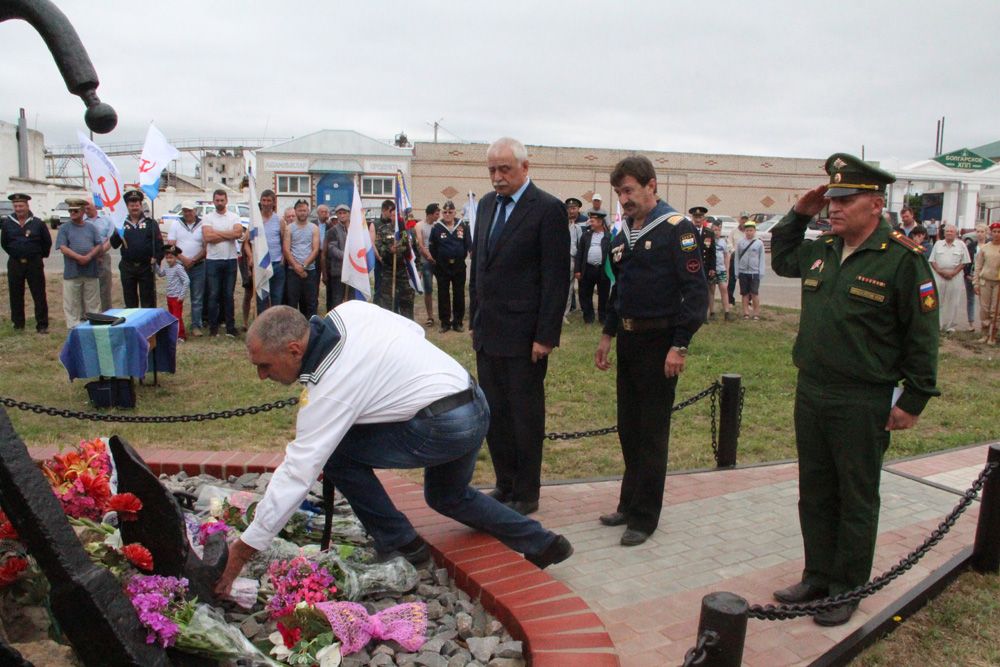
(342, 207)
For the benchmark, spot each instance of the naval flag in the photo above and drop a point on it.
(105, 182)
(359, 254)
(157, 153)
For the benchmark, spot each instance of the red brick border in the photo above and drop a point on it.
(557, 627)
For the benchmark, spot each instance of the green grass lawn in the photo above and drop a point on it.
(214, 374)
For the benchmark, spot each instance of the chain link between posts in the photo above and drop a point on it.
(780, 612)
(147, 419)
(712, 390)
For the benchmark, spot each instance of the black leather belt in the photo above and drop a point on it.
(443, 405)
(635, 325)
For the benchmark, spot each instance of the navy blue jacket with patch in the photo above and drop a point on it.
(661, 276)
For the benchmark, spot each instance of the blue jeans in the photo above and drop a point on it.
(221, 285)
(446, 446)
(197, 276)
(276, 287)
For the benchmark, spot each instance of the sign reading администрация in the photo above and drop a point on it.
(965, 160)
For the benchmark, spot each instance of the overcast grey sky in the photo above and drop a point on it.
(773, 77)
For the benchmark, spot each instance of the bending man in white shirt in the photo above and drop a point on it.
(377, 395)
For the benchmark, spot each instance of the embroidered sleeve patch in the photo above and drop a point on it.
(693, 266)
(928, 297)
(688, 242)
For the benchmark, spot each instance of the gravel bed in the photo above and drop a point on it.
(460, 632)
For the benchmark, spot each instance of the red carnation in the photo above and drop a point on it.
(290, 636)
(127, 505)
(7, 531)
(11, 569)
(139, 556)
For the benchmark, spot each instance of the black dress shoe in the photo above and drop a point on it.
(559, 550)
(632, 537)
(800, 592)
(499, 494)
(837, 615)
(457, 327)
(445, 328)
(524, 507)
(613, 519)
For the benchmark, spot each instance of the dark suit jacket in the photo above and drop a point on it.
(583, 247)
(518, 293)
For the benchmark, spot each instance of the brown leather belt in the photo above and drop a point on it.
(635, 325)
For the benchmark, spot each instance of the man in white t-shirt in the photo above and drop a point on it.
(185, 235)
(424, 411)
(222, 232)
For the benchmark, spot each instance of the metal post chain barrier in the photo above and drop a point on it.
(780, 612)
(574, 435)
(147, 419)
(696, 655)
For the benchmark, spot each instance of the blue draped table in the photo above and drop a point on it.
(122, 350)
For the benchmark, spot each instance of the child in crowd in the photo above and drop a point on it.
(177, 287)
(919, 236)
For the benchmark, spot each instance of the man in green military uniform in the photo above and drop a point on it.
(869, 319)
(392, 252)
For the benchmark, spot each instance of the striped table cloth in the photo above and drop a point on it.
(122, 350)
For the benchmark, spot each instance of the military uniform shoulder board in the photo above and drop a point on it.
(676, 218)
(905, 241)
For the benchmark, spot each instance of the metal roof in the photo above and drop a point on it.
(337, 142)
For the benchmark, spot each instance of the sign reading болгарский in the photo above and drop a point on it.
(965, 160)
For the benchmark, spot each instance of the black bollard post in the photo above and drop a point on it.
(729, 420)
(725, 614)
(986, 549)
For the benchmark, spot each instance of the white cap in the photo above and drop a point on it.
(597, 196)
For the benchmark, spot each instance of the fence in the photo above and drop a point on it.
(723, 622)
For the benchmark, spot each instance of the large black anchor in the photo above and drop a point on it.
(70, 56)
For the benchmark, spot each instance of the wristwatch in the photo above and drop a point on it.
(683, 351)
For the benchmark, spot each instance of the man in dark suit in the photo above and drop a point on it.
(518, 292)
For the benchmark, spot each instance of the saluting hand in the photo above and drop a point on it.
(813, 201)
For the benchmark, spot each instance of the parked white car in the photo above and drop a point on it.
(201, 208)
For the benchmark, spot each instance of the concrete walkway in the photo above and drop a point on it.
(733, 530)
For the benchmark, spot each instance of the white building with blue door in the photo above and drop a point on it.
(321, 167)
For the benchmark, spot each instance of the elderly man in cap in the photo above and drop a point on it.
(186, 237)
(591, 255)
(869, 320)
(332, 256)
(105, 227)
(378, 395)
(27, 242)
(595, 205)
(81, 245)
(141, 251)
(449, 246)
